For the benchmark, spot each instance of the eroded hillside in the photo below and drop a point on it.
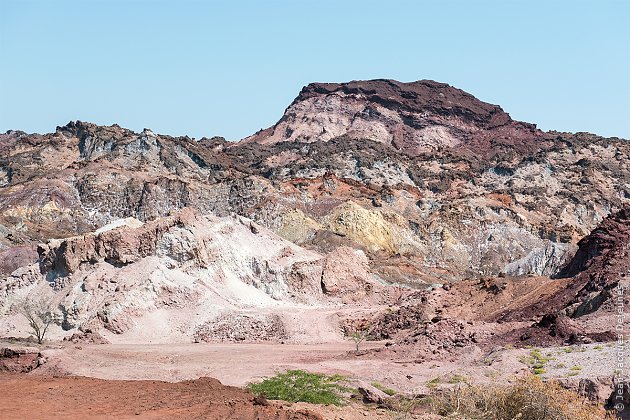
(433, 184)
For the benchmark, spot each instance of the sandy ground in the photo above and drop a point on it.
(37, 397)
(233, 364)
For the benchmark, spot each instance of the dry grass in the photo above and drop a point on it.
(529, 398)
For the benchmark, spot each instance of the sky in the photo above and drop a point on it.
(230, 68)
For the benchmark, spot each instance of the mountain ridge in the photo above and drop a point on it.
(83, 176)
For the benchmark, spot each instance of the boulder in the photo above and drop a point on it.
(346, 274)
(371, 394)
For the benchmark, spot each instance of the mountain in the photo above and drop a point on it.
(417, 184)
(350, 164)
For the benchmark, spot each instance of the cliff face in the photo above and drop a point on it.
(430, 182)
(606, 246)
(595, 278)
(600, 266)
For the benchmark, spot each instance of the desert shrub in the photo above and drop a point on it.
(358, 334)
(298, 385)
(404, 407)
(455, 379)
(38, 313)
(536, 361)
(433, 383)
(530, 398)
(538, 370)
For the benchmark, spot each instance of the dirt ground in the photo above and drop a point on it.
(160, 381)
(239, 364)
(34, 397)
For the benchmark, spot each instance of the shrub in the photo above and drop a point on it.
(38, 313)
(298, 385)
(529, 398)
(404, 406)
(455, 379)
(433, 383)
(538, 370)
(358, 334)
(536, 361)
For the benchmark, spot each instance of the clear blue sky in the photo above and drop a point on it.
(229, 68)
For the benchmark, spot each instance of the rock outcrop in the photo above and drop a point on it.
(599, 274)
(200, 273)
(415, 117)
(19, 359)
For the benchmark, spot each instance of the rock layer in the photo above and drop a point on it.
(499, 197)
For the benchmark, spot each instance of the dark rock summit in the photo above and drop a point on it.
(415, 118)
(422, 95)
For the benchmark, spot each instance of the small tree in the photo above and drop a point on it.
(39, 315)
(358, 334)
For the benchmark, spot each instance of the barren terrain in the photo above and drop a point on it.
(239, 364)
(455, 244)
(80, 398)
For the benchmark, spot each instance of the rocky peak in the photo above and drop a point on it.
(80, 129)
(415, 118)
(147, 132)
(423, 95)
(95, 141)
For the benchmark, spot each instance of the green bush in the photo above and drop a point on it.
(298, 385)
(433, 383)
(536, 361)
(455, 379)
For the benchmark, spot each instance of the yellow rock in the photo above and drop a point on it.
(48, 210)
(368, 228)
(298, 227)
